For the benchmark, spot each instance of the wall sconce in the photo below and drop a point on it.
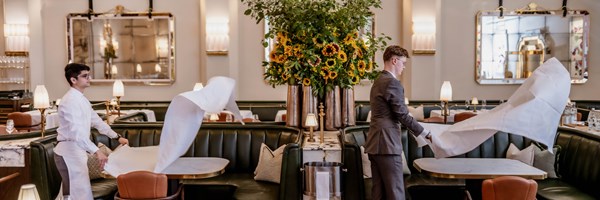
(157, 68)
(198, 86)
(445, 96)
(118, 91)
(41, 101)
(28, 192)
(423, 38)
(474, 102)
(217, 37)
(17, 39)
(311, 122)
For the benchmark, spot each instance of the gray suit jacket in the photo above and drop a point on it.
(387, 109)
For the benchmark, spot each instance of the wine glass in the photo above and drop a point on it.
(483, 104)
(10, 126)
(255, 116)
(467, 104)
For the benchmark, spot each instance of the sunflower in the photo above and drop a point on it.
(352, 67)
(370, 66)
(358, 53)
(273, 55)
(306, 82)
(355, 80)
(323, 74)
(348, 39)
(342, 56)
(330, 62)
(361, 73)
(318, 42)
(298, 52)
(285, 76)
(288, 50)
(280, 59)
(336, 46)
(332, 74)
(361, 65)
(351, 73)
(329, 50)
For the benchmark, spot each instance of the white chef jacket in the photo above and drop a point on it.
(76, 119)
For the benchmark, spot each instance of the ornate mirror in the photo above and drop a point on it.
(134, 47)
(511, 47)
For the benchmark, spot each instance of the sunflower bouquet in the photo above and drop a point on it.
(318, 43)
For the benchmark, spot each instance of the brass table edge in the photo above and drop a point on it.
(195, 176)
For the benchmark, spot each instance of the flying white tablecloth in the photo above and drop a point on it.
(184, 117)
(533, 111)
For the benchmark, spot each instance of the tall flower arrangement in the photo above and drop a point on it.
(317, 42)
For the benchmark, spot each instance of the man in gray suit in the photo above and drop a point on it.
(384, 142)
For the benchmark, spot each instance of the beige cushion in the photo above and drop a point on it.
(417, 113)
(525, 155)
(269, 164)
(366, 163)
(544, 160)
(95, 170)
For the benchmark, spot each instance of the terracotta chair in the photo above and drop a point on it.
(143, 185)
(463, 116)
(439, 120)
(23, 121)
(509, 187)
(223, 117)
(284, 117)
(579, 116)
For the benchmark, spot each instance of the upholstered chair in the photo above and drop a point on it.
(458, 117)
(509, 187)
(143, 185)
(23, 122)
(434, 120)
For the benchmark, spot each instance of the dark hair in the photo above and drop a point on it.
(394, 50)
(72, 70)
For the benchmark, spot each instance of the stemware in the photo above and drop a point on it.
(10, 126)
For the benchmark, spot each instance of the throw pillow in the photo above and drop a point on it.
(94, 168)
(525, 155)
(417, 113)
(544, 160)
(366, 163)
(269, 164)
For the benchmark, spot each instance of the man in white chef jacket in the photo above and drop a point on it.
(76, 119)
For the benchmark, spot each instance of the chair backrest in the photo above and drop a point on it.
(142, 185)
(509, 187)
(20, 119)
(458, 117)
(434, 120)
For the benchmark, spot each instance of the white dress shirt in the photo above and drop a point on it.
(76, 119)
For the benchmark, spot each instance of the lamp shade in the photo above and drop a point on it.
(198, 86)
(446, 91)
(406, 100)
(118, 89)
(311, 120)
(138, 68)
(114, 70)
(40, 97)
(28, 192)
(474, 101)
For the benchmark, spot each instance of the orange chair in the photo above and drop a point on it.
(434, 120)
(223, 116)
(579, 116)
(509, 187)
(463, 116)
(143, 185)
(284, 117)
(23, 121)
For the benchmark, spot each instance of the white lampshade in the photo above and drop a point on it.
(446, 91)
(28, 192)
(198, 86)
(406, 100)
(311, 120)
(214, 117)
(40, 97)
(138, 68)
(57, 102)
(118, 89)
(474, 101)
(157, 68)
(114, 70)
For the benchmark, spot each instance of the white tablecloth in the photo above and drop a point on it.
(149, 113)
(244, 113)
(52, 120)
(279, 115)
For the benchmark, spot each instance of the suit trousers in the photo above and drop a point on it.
(387, 175)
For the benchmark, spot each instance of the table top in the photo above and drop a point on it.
(476, 168)
(196, 168)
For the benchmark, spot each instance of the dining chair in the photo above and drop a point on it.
(143, 185)
(434, 120)
(509, 187)
(23, 121)
(458, 117)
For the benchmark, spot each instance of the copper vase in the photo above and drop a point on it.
(293, 106)
(348, 111)
(333, 107)
(309, 104)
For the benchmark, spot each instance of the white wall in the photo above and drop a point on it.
(453, 61)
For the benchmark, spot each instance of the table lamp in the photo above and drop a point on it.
(198, 86)
(311, 122)
(321, 116)
(474, 102)
(118, 91)
(445, 96)
(41, 101)
(28, 192)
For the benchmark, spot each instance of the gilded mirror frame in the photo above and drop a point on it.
(570, 46)
(155, 50)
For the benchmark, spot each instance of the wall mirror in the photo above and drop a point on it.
(134, 47)
(511, 47)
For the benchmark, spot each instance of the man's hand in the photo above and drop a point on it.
(123, 141)
(101, 158)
